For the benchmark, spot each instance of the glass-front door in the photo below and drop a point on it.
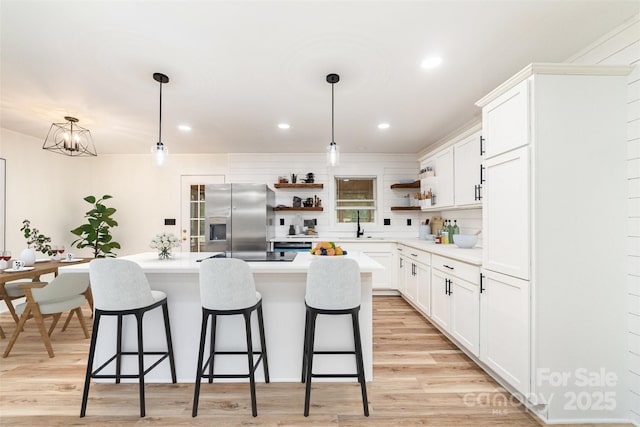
(192, 201)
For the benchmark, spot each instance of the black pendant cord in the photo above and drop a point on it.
(332, 137)
(160, 119)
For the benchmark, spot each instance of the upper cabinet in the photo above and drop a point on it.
(455, 174)
(506, 121)
(468, 171)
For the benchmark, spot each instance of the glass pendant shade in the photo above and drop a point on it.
(159, 153)
(70, 139)
(333, 154)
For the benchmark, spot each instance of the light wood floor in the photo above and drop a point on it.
(420, 379)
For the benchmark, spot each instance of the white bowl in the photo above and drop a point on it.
(465, 240)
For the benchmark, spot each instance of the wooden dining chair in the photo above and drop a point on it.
(9, 292)
(65, 292)
(2, 335)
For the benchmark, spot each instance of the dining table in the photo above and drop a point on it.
(33, 273)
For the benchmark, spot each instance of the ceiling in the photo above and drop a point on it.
(239, 68)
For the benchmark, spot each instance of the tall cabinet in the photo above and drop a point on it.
(553, 292)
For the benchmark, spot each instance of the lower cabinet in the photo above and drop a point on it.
(381, 252)
(505, 326)
(455, 300)
(416, 279)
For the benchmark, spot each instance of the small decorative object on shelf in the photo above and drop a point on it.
(163, 242)
(327, 249)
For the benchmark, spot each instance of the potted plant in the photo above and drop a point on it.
(36, 241)
(96, 233)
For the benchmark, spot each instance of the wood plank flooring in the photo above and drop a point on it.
(420, 379)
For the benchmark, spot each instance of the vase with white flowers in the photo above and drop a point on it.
(164, 242)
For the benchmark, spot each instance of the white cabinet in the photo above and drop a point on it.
(401, 272)
(505, 122)
(506, 214)
(418, 279)
(505, 328)
(383, 253)
(553, 299)
(468, 171)
(441, 184)
(455, 301)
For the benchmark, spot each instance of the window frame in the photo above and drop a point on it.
(375, 200)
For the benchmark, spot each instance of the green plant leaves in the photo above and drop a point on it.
(96, 233)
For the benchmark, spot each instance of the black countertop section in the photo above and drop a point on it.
(260, 256)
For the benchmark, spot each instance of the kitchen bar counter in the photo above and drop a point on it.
(282, 285)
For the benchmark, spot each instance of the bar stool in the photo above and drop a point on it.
(227, 288)
(333, 288)
(119, 289)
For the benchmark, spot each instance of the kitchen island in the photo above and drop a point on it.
(282, 285)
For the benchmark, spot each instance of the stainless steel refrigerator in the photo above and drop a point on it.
(239, 218)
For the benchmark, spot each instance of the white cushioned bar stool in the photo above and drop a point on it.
(120, 289)
(227, 288)
(333, 288)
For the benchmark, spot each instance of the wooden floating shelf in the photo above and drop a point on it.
(405, 208)
(301, 185)
(414, 184)
(291, 208)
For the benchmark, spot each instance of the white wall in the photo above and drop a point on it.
(49, 188)
(618, 47)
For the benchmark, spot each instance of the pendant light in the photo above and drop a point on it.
(333, 152)
(70, 139)
(158, 150)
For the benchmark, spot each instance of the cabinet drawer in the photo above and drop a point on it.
(468, 272)
(417, 255)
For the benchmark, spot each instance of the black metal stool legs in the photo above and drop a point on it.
(117, 357)
(309, 351)
(359, 362)
(87, 378)
(204, 366)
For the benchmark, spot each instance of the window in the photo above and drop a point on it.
(196, 218)
(353, 195)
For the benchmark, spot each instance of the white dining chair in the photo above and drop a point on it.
(63, 293)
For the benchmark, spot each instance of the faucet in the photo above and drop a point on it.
(360, 231)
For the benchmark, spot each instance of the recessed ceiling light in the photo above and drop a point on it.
(184, 128)
(431, 62)
(284, 126)
(383, 126)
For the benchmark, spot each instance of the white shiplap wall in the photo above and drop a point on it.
(388, 169)
(622, 47)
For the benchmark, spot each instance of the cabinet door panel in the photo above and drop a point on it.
(423, 298)
(506, 214)
(467, 161)
(382, 279)
(411, 280)
(440, 304)
(504, 328)
(505, 121)
(465, 314)
(444, 178)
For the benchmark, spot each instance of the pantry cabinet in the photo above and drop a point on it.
(553, 298)
(505, 328)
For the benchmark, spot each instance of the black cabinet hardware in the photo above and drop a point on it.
(482, 180)
(414, 254)
(481, 288)
(482, 140)
(401, 262)
(446, 266)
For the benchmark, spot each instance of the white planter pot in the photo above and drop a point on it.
(28, 256)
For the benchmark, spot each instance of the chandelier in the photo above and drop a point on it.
(69, 139)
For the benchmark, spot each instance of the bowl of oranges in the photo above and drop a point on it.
(327, 249)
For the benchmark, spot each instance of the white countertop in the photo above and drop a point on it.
(186, 262)
(472, 256)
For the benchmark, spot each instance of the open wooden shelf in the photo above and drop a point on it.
(301, 185)
(291, 208)
(414, 184)
(405, 208)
